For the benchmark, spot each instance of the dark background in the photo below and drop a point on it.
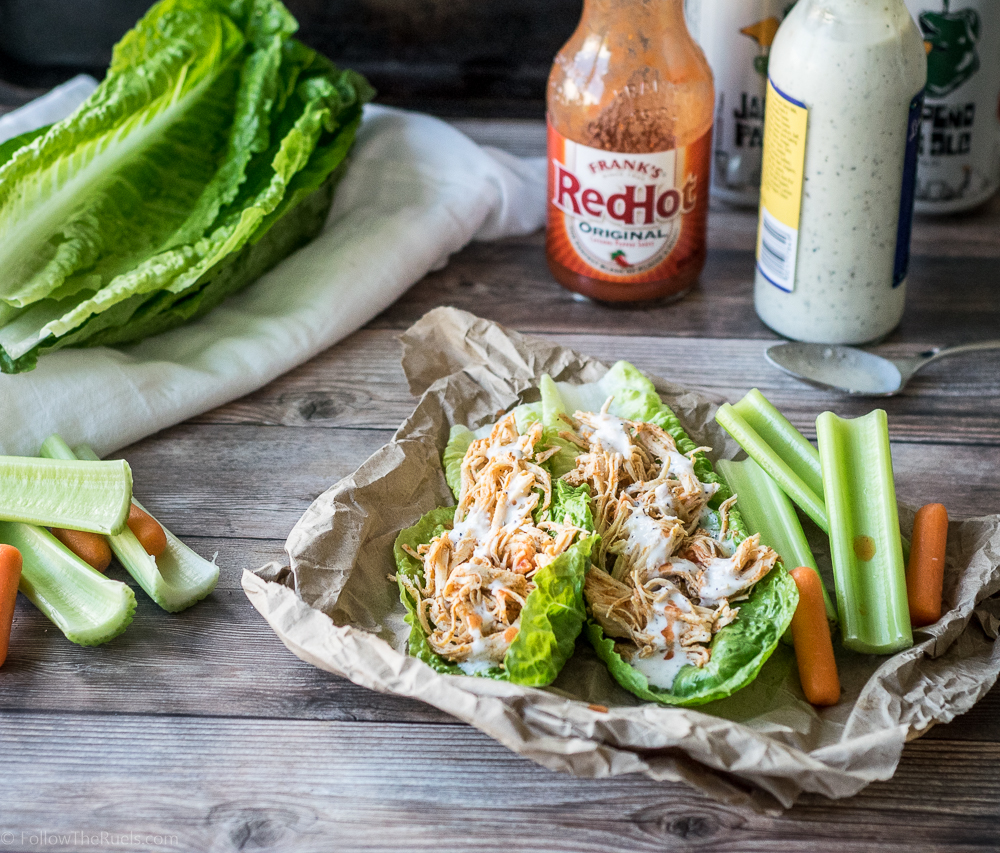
(450, 57)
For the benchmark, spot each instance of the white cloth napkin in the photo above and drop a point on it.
(416, 191)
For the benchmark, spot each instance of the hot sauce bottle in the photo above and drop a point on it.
(630, 105)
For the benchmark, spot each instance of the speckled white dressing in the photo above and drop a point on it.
(857, 66)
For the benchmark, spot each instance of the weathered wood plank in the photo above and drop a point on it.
(243, 481)
(231, 785)
(359, 383)
(219, 658)
(508, 281)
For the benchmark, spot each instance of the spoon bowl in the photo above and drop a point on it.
(854, 371)
(839, 368)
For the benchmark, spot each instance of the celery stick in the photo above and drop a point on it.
(771, 460)
(87, 607)
(864, 532)
(58, 493)
(177, 578)
(784, 439)
(768, 511)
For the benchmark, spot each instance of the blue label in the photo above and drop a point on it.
(909, 191)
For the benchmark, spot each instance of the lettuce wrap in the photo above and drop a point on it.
(740, 648)
(484, 584)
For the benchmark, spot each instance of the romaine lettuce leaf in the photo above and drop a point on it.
(635, 399)
(738, 651)
(570, 505)
(459, 440)
(551, 620)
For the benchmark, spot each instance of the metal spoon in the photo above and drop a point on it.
(855, 371)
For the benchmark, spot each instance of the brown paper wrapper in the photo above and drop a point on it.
(333, 606)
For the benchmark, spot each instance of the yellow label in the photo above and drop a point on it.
(784, 157)
(782, 175)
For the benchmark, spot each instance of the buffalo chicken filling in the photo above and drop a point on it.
(672, 570)
(478, 575)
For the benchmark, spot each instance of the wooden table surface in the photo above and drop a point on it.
(201, 732)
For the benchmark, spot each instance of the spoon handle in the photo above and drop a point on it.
(975, 346)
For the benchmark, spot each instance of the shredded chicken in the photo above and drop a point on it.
(668, 582)
(477, 576)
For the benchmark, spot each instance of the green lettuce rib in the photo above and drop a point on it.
(459, 441)
(87, 607)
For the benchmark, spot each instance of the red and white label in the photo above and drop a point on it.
(626, 217)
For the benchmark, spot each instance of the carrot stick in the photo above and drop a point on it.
(925, 572)
(147, 530)
(813, 645)
(10, 576)
(92, 548)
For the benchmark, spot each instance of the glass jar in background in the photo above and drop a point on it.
(630, 103)
(736, 36)
(959, 165)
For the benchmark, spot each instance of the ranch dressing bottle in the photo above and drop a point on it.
(736, 36)
(844, 103)
(960, 135)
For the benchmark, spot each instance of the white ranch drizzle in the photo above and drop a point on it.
(645, 538)
(661, 667)
(517, 448)
(518, 499)
(476, 524)
(664, 501)
(612, 434)
(720, 580)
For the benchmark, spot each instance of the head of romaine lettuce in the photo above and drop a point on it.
(203, 158)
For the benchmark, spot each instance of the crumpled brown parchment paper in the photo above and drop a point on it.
(333, 607)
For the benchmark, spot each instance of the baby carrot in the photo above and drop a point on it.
(92, 548)
(10, 576)
(925, 572)
(813, 645)
(147, 530)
